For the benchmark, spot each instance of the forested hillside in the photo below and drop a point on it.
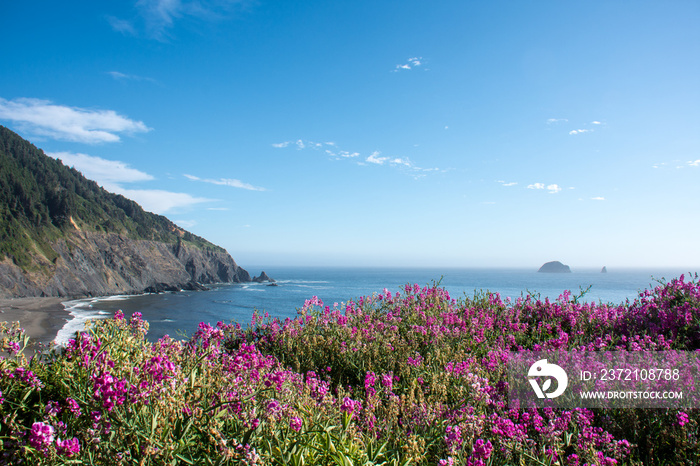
(41, 199)
(63, 235)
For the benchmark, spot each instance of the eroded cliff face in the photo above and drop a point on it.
(99, 264)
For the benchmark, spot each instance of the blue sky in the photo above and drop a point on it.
(410, 133)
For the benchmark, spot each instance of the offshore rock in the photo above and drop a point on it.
(554, 267)
(263, 278)
(100, 264)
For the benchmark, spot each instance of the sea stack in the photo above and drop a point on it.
(554, 267)
(604, 270)
(263, 278)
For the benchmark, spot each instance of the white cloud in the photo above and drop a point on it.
(343, 154)
(551, 121)
(553, 188)
(101, 170)
(226, 182)
(579, 131)
(218, 208)
(513, 183)
(44, 118)
(374, 158)
(695, 163)
(399, 161)
(301, 144)
(159, 201)
(412, 62)
(596, 122)
(110, 174)
(598, 198)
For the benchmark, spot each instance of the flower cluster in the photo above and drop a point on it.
(396, 378)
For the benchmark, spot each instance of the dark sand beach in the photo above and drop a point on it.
(41, 318)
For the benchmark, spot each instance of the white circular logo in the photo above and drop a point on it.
(542, 368)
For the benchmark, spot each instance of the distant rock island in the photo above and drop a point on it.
(63, 235)
(554, 267)
(263, 278)
(604, 270)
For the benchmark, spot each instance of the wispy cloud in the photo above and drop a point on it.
(536, 186)
(44, 118)
(185, 223)
(598, 198)
(342, 154)
(677, 164)
(503, 183)
(111, 175)
(119, 76)
(159, 201)
(374, 158)
(301, 144)
(411, 63)
(122, 25)
(234, 183)
(580, 128)
(158, 17)
(101, 170)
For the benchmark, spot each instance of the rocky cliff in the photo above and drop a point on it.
(98, 264)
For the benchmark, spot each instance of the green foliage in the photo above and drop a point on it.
(41, 200)
(393, 379)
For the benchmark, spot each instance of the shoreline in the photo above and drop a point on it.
(41, 318)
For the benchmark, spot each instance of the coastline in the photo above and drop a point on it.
(41, 318)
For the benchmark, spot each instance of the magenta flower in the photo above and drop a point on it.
(453, 437)
(13, 347)
(348, 405)
(68, 447)
(41, 436)
(482, 449)
(295, 423)
(682, 418)
(73, 407)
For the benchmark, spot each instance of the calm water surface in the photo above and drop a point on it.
(180, 313)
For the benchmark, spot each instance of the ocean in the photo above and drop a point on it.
(178, 314)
